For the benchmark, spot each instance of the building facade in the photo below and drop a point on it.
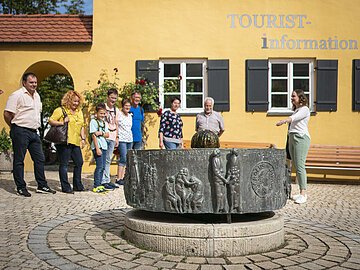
(248, 55)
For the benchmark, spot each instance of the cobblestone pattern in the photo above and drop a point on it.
(84, 231)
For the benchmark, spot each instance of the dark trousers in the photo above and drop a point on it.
(100, 167)
(24, 139)
(65, 152)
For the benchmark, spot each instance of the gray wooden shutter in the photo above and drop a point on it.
(356, 86)
(218, 84)
(148, 69)
(257, 85)
(326, 87)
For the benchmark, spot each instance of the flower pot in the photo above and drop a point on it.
(6, 161)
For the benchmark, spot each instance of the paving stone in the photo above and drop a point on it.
(268, 265)
(195, 260)
(325, 263)
(173, 258)
(146, 267)
(153, 255)
(146, 261)
(57, 262)
(211, 267)
(274, 255)
(350, 265)
(107, 267)
(125, 265)
(235, 267)
(252, 267)
(125, 256)
(258, 258)
(111, 251)
(187, 266)
(90, 263)
(65, 252)
(312, 266)
(77, 258)
(353, 259)
(299, 259)
(238, 260)
(332, 258)
(284, 262)
(310, 255)
(215, 261)
(165, 264)
(294, 267)
(100, 257)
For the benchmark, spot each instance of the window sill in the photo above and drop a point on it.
(284, 113)
(185, 112)
(279, 113)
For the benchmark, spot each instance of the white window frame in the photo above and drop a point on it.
(183, 63)
(290, 85)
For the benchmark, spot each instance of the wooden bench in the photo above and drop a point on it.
(335, 158)
(224, 144)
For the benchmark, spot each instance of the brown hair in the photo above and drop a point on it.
(100, 106)
(124, 101)
(303, 101)
(69, 97)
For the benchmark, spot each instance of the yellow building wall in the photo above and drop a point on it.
(126, 31)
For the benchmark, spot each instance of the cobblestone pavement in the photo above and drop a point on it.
(84, 231)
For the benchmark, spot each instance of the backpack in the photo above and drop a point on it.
(98, 129)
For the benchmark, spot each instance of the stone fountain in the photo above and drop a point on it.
(206, 202)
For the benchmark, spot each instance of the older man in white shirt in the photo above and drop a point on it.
(22, 114)
(210, 119)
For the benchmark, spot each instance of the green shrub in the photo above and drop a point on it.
(148, 90)
(5, 141)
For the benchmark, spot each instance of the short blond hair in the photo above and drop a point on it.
(69, 97)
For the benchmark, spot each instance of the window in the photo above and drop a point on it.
(185, 79)
(286, 76)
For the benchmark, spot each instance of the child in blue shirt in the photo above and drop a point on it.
(99, 131)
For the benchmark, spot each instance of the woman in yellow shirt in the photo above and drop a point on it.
(71, 103)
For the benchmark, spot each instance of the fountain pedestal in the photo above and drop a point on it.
(184, 196)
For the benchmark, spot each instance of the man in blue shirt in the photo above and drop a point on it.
(138, 120)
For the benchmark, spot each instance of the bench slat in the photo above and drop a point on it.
(333, 157)
(323, 146)
(319, 164)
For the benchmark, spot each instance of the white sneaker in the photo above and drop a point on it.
(301, 199)
(294, 197)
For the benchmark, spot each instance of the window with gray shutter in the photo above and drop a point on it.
(356, 86)
(326, 87)
(148, 69)
(218, 84)
(217, 80)
(257, 85)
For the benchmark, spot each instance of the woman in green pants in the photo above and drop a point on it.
(299, 139)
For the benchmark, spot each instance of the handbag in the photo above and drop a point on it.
(58, 134)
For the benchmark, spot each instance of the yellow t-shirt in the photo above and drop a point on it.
(76, 122)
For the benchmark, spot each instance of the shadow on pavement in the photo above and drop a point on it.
(110, 221)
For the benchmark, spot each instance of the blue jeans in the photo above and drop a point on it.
(65, 152)
(137, 145)
(171, 145)
(100, 167)
(24, 139)
(109, 155)
(123, 148)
